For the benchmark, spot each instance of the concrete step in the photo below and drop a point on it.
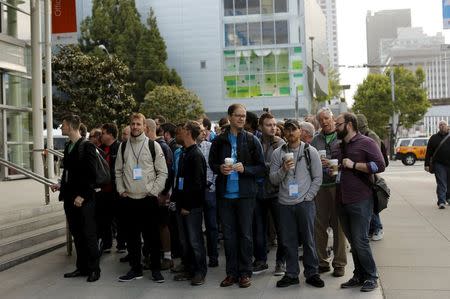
(8, 217)
(30, 224)
(14, 258)
(29, 239)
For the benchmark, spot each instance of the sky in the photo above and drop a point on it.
(351, 26)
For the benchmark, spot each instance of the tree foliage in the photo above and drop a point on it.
(175, 103)
(95, 87)
(117, 26)
(334, 86)
(373, 99)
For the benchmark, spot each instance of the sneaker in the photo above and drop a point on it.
(369, 285)
(315, 281)
(339, 271)
(377, 236)
(166, 264)
(280, 269)
(287, 281)
(259, 267)
(323, 269)
(157, 277)
(131, 275)
(353, 282)
(245, 282)
(228, 281)
(442, 206)
(182, 276)
(197, 280)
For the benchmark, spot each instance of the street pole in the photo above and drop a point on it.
(311, 38)
(394, 126)
(296, 103)
(48, 85)
(36, 86)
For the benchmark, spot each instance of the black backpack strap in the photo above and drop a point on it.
(81, 149)
(307, 158)
(122, 150)
(151, 146)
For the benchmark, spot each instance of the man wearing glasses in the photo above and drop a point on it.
(359, 158)
(236, 157)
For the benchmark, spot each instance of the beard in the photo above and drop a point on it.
(341, 134)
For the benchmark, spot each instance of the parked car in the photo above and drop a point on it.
(409, 150)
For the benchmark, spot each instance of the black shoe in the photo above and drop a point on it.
(213, 263)
(369, 285)
(353, 282)
(157, 277)
(94, 276)
(259, 267)
(75, 273)
(131, 275)
(315, 281)
(323, 269)
(125, 259)
(287, 281)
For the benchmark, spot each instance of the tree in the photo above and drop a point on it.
(334, 86)
(373, 99)
(96, 87)
(175, 103)
(117, 25)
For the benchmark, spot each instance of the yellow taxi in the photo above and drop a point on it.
(409, 150)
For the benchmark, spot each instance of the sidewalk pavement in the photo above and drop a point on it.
(412, 258)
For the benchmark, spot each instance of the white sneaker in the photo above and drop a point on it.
(378, 235)
(441, 206)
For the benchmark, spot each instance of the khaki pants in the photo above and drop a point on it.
(326, 216)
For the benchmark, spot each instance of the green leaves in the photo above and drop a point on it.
(175, 103)
(373, 99)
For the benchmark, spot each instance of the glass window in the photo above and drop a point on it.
(269, 63)
(240, 7)
(20, 154)
(241, 34)
(281, 32)
(254, 7)
(281, 6)
(255, 63)
(254, 33)
(268, 33)
(405, 142)
(244, 65)
(228, 7)
(267, 6)
(229, 35)
(242, 88)
(17, 24)
(19, 126)
(230, 61)
(283, 61)
(420, 142)
(17, 91)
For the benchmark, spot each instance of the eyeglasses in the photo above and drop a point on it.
(239, 115)
(339, 124)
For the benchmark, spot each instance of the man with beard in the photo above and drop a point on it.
(140, 177)
(359, 158)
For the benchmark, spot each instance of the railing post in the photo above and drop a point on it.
(46, 187)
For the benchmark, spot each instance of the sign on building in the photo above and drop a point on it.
(64, 22)
(446, 13)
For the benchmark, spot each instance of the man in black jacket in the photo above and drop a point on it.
(441, 161)
(189, 192)
(77, 192)
(237, 158)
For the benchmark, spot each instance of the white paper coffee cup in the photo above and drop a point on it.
(334, 165)
(289, 156)
(323, 154)
(229, 161)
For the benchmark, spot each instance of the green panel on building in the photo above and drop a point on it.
(297, 50)
(285, 91)
(297, 64)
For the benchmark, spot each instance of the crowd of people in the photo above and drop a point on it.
(251, 182)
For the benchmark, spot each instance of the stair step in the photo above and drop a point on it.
(14, 258)
(22, 214)
(28, 239)
(30, 224)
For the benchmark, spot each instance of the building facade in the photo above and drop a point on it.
(329, 9)
(16, 132)
(383, 25)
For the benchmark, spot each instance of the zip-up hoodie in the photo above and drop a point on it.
(309, 183)
(269, 146)
(154, 176)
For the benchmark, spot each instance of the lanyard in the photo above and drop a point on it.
(296, 160)
(139, 154)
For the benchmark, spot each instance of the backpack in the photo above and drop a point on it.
(102, 171)
(383, 151)
(151, 146)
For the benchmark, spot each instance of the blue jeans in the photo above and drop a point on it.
(375, 224)
(441, 173)
(236, 216)
(212, 232)
(297, 222)
(355, 221)
(196, 253)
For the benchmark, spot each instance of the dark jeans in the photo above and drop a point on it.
(260, 225)
(212, 232)
(237, 216)
(375, 224)
(105, 214)
(196, 253)
(355, 221)
(441, 173)
(142, 219)
(120, 221)
(82, 226)
(297, 221)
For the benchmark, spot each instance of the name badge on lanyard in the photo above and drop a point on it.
(137, 173)
(293, 189)
(180, 184)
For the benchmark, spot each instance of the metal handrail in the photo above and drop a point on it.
(41, 179)
(55, 152)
